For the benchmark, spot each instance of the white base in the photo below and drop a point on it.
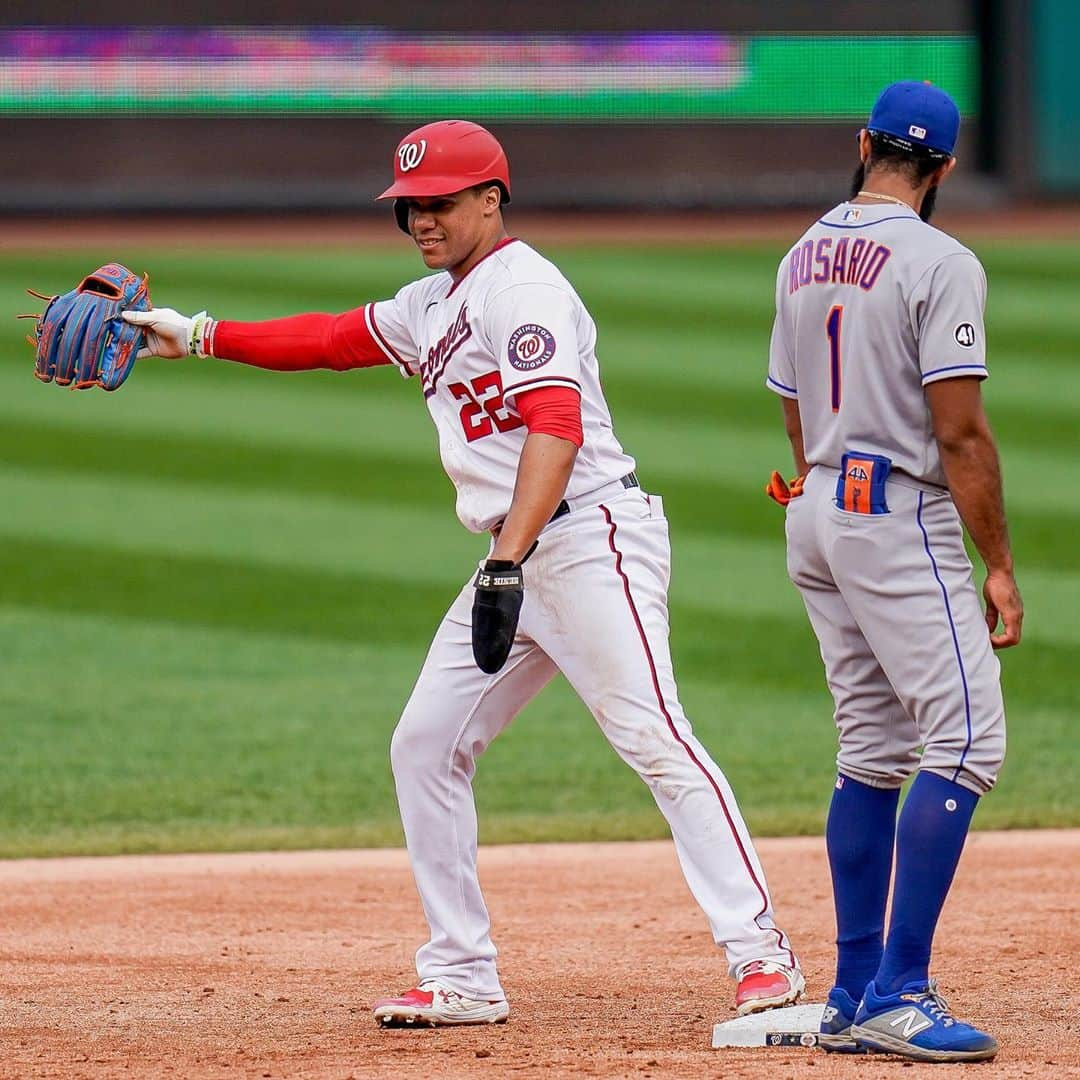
(797, 1025)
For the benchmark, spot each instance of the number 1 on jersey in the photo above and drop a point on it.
(832, 329)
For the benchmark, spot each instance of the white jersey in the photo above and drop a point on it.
(872, 305)
(513, 323)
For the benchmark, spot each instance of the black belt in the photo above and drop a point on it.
(628, 481)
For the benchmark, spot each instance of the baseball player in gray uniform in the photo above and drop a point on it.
(878, 353)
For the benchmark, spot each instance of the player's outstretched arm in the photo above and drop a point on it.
(970, 459)
(295, 343)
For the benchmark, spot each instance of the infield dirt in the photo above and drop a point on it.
(264, 965)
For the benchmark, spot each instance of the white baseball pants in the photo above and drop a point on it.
(596, 609)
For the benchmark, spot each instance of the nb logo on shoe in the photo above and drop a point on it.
(913, 1022)
(410, 154)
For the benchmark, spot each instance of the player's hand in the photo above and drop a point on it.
(1004, 605)
(500, 589)
(168, 333)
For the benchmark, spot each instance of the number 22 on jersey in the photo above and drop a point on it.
(483, 411)
(832, 330)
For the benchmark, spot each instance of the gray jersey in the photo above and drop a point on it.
(872, 304)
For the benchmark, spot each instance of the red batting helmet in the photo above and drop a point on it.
(445, 157)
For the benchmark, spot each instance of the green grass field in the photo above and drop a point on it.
(207, 639)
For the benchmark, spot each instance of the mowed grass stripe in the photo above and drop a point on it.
(1023, 430)
(389, 540)
(217, 593)
(286, 530)
(267, 411)
(1031, 405)
(213, 592)
(719, 574)
(358, 475)
(1029, 391)
(414, 542)
(737, 408)
(281, 412)
(167, 458)
(223, 462)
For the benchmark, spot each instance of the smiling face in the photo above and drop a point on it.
(454, 232)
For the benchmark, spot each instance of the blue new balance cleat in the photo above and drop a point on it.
(835, 1032)
(916, 1023)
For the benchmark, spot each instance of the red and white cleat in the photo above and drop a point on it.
(431, 1004)
(765, 984)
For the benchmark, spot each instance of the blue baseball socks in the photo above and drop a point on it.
(929, 839)
(859, 838)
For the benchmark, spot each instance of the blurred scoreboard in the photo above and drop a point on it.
(395, 74)
(222, 105)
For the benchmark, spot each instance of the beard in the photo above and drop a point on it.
(928, 203)
(857, 181)
(926, 210)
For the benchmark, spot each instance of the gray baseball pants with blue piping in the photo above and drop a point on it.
(906, 650)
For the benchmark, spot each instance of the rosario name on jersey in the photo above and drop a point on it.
(872, 305)
(512, 324)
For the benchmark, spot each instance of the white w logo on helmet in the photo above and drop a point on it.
(410, 154)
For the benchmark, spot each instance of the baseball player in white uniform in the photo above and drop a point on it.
(503, 351)
(878, 352)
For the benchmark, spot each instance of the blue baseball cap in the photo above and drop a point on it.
(918, 115)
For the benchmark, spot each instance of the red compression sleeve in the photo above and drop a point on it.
(301, 342)
(552, 410)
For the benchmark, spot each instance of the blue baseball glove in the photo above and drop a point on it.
(80, 339)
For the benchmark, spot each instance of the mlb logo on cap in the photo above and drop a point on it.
(917, 114)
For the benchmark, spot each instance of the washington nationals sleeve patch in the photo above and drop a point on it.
(531, 346)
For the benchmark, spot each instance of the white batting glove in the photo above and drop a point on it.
(172, 335)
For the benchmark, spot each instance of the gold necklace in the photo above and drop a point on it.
(884, 198)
